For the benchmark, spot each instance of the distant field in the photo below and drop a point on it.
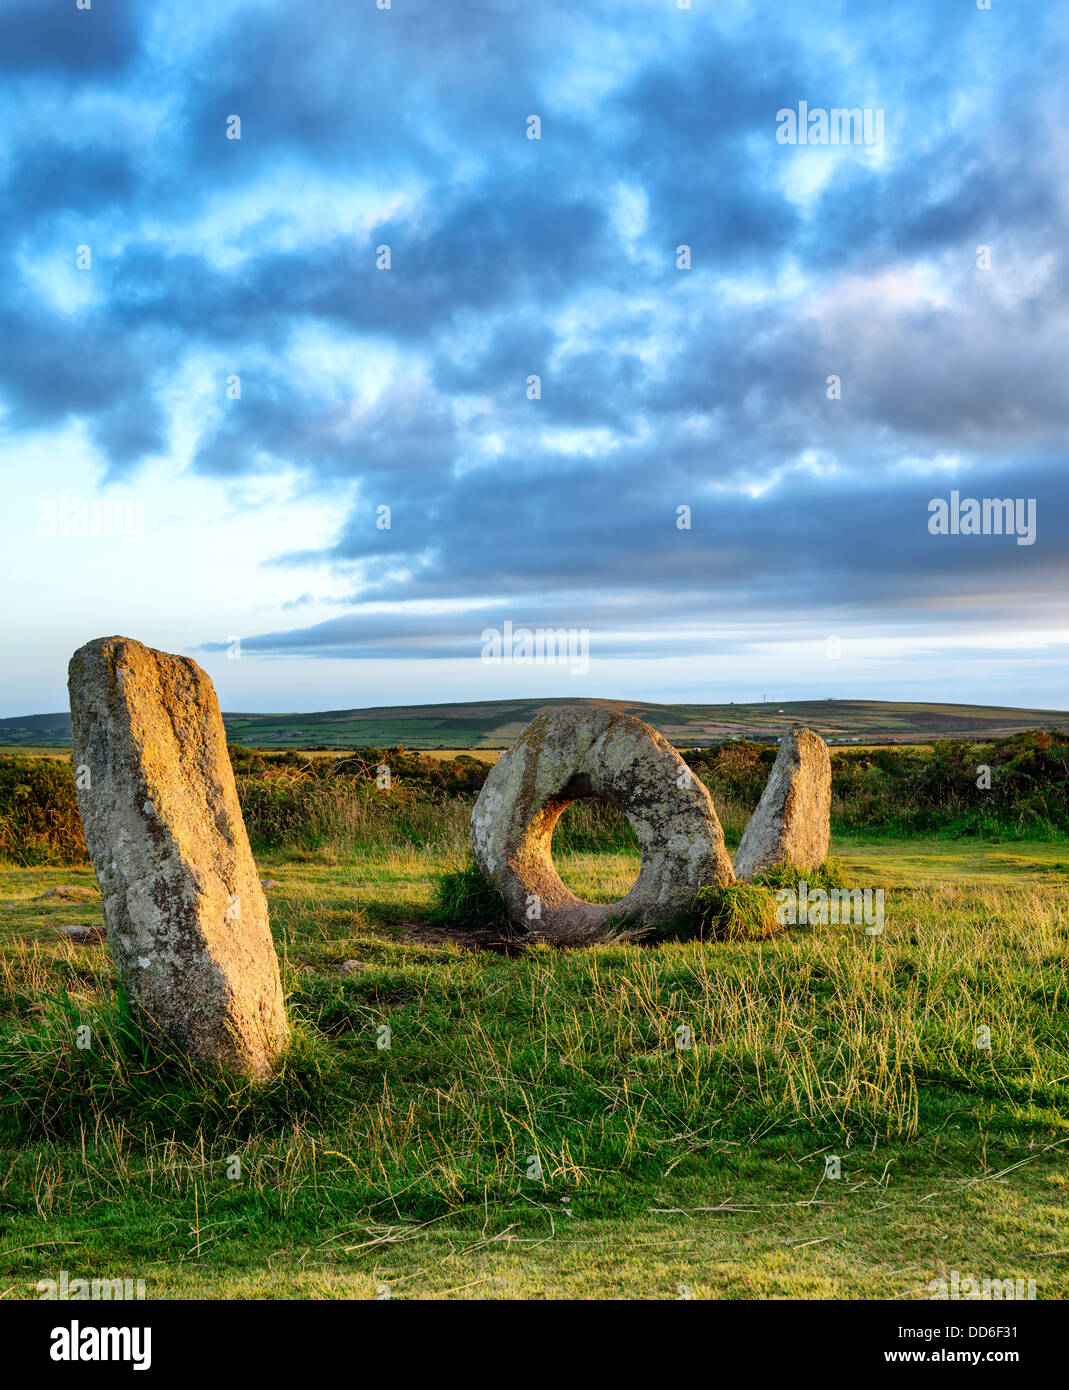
(37, 750)
(486, 725)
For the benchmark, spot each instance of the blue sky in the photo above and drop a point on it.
(662, 387)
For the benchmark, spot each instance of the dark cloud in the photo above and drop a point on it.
(51, 176)
(660, 387)
(52, 36)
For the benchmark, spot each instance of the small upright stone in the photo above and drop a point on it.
(792, 823)
(185, 914)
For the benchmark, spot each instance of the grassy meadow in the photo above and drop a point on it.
(534, 1128)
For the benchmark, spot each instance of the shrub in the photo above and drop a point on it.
(291, 800)
(39, 819)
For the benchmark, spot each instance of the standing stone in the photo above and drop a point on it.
(569, 752)
(792, 823)
(185, 914)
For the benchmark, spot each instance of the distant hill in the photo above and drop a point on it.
(495, 723)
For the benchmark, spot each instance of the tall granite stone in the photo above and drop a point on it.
(186, 916)
(792, 823)
(570, 752)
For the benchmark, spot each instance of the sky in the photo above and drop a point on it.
(328, 394)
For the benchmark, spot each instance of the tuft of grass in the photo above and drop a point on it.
(465, 897)
(746, 911)
(737, 912)
(831, 874)
(84, 1060)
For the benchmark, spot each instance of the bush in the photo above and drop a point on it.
(295, 811)
(915, 790)
(39, 819)
(292, 800)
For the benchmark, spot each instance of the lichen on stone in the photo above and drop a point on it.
(570, 752)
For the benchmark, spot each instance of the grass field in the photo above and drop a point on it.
(493, 724)
(661, 1172)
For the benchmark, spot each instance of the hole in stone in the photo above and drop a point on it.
(596, 851)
